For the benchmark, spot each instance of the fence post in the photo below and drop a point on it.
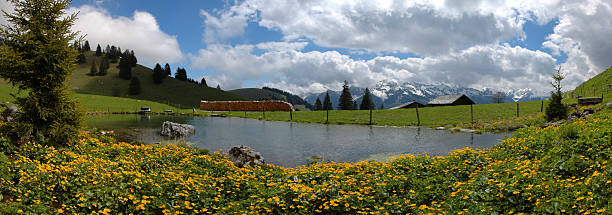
(542, 106)
(327, 115)
(418, 118)
(264, 112)
(290, 115)
(245, 116)
(472, 114)
(517, 109)
(370, 115)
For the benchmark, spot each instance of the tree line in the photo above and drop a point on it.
(346, 102)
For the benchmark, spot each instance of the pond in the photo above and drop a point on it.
(293, 144)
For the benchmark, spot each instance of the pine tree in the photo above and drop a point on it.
(125, 69)
(98, 51)
(556, 110)
(158, 74)
(107, 51)
(346, 100)
(366, 101)
(167, 70)
(354, 105)
(36, 56)
(318, 105)
(134, 86)
(93, 70)
(133, 59)
(327, 105)
(382, 106)
(181, 74)
(203, 82)
(86, 47)
(104, 65)
(81, 59)
(218, 87)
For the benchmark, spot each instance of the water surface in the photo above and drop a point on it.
(293, 144)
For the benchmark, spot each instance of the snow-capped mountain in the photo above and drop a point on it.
(392, 93)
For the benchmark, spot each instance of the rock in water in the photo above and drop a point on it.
(171, 129)
(243, 156)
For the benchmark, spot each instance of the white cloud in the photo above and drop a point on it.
(459, 41)
(583, 34)
(140, 33)
(230, 23)
(303, 72)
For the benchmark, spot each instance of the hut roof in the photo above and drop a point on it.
(445, 99)
(405, 104)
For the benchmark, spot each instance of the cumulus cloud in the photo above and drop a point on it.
(228, 24)
(304, 72)
(140, 33)
(583, 34)
(461, 42)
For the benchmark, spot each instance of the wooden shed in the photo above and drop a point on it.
(450, 100)
(412, 104)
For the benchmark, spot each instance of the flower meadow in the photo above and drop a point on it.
(560, 170)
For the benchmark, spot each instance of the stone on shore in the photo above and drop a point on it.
(243, 156)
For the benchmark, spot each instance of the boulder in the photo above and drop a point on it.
(243, 156)
(558, 123)
(9, 114)
(171, 129)
(587, 111)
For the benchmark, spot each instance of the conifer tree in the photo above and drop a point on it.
(366, 101)
(125, 69)
(81, 58)
(133, 59)
(134, 88)
(167, 70)
(382, 106)
(556, 110)
(318, 105)
(104, 65)
(158, 74)
(218, 87)
(345, 102)
(86, 47)
(98, 51)
(93, 70)
(327, 105)
(36, 56)
(107, 51)
(354, 105)
(203, 82)
(181, 74)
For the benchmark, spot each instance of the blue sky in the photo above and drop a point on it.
(309, 46)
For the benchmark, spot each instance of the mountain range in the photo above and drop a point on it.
(391, 93)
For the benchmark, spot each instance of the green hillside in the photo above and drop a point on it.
(595, 86)
(171, 91)
(257, 94)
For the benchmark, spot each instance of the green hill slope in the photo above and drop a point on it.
(257, 94)
(171, 91)
(596, 86)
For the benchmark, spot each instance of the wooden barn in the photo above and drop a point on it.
(450, 100)
(246, 106)
(412, 104)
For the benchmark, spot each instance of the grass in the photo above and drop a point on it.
(595, 86)
(554, 170)
(171, 91)
(430, 116)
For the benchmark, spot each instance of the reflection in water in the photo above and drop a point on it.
(291, 144)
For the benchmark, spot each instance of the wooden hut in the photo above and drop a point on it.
(450, 100)
(412, 104)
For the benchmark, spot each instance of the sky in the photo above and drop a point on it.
(309, 46)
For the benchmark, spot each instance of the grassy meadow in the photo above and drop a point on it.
(554, 170)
